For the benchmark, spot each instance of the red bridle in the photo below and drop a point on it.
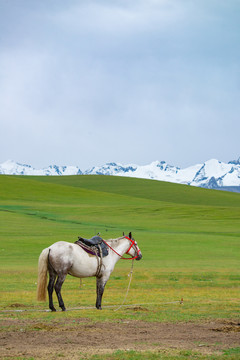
(133, 243)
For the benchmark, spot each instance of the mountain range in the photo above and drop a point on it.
(212, 174)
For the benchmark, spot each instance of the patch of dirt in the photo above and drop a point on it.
(68, 338)
(137, 308)
(17, 305)
(229, 326)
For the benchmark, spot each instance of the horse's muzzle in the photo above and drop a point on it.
(139, 257)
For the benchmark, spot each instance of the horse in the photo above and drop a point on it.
(62, 258)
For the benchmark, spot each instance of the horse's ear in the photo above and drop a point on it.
(123, 234)
(130, 235)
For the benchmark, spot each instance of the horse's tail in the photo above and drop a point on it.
(42, 275)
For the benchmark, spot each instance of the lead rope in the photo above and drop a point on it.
(130, 279)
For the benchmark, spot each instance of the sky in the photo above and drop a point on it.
(85, 82)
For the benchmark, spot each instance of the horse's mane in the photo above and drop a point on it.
(115, 240)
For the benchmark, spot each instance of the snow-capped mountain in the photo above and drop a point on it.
(156, 171)
(212, 174)
(112, 169)
(12, 168)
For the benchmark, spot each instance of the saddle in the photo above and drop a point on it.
(94, 243)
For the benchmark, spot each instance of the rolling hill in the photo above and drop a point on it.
(168, 219)
(189, 237)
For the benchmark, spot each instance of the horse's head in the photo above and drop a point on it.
(133, 250)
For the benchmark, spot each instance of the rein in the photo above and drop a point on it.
(123, 258)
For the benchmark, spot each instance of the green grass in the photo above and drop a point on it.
(189, 237)
(231, 354)
(166, 355)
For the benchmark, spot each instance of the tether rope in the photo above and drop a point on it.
(130, 279)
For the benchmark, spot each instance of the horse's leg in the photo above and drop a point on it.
(58, 286)
(101, 282)
(52, 278)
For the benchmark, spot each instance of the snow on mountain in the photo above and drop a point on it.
(156, 170)
(211, 169)
(232, 178)
(10, 167)
(235, 162)
(212, 174)
(62, 170)
(111, 169)
(215, 174)
(185, 176)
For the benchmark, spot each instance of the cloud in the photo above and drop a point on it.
(79, 79)
(125, 18)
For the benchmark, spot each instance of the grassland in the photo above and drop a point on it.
(189, 237)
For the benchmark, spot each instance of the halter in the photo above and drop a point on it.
(133, 243)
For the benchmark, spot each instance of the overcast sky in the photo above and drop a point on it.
(93, 81)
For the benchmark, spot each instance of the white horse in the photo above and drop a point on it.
(64, 258)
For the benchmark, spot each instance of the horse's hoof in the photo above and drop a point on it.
(53, 310)
(63, 309)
